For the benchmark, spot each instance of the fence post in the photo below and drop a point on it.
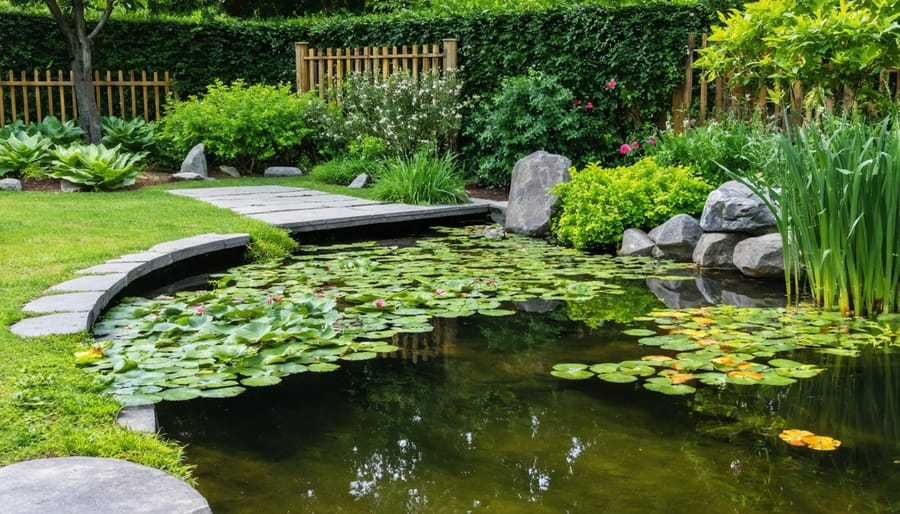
(301, 50)
(450, 49)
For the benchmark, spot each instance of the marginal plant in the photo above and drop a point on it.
(599, 203)
(836, 200)
(23, 154)
(96, 166)
(343, 171)
(423, 179)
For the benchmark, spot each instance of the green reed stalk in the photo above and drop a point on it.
(836, 200)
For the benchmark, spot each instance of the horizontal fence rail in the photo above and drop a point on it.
(32, 96)
(321, 70)
(741, 102)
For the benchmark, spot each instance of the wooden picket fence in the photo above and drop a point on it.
(324, 69)
(691, 98)
(32, 96)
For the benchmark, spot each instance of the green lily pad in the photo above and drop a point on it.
(224, 392)
(669, 388)
(639, 332)
(606, 367)
(359, 356)
(181, 394)
(617, 378)
(321, 367)
(261, 381)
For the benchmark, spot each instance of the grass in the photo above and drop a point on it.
(49, 407)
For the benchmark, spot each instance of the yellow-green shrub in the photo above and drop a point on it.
(599, 203)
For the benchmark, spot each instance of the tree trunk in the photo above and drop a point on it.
(88, 113)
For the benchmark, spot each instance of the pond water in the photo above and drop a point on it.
(467, 418)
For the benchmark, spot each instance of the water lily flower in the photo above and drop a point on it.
(320, 294)
(624, 149)
(274, 299)
(611, 85)
(198, 309)
(440, 292)
(379, 302)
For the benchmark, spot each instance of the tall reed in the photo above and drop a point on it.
(836, 198)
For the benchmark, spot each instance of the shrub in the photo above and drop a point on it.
(58, 132)
(422, 179)
(135, 135)
(22, 154)
(343, 171)
(408, 114)
(247, 126)
(598, 204)
(96, 166)
(733, 145)
(529, 113)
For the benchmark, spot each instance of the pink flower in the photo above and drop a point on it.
(198, 309)
(320, 294)
(635, 145)
(440, 292)
(624, 149)
(379, 302)
(589, 105)
(651, 140)
(274, 299)
(577, 103)
(611, 85)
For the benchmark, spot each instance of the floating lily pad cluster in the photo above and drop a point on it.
(807, 439)
(729, 345)
(342, 302)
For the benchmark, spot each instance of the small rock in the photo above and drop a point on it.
(231, 171)
(195, 162)
(10, 184)
(70, 187)
(760, 257)
(495, 233)
(361, 181)
(676, 238)
(184, 176)
(636, 243)
(716, 249)
(283, 171)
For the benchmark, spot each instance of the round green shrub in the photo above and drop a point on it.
(599, 203)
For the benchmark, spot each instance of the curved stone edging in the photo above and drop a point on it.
(81, 300)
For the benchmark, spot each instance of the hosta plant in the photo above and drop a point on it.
(96, 166)
(134, 135)
(22, 154)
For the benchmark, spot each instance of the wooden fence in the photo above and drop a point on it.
(688, 109)
(325, 69)
(118, 94)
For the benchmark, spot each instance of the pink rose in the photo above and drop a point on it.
(577, 103)
(624, 149)
(589, 105)
(651, 140)
(611, 85)
(635, 145)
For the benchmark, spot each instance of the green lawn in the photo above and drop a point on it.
(48, 407)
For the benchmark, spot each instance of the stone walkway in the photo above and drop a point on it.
(99, 486)
(306, 210)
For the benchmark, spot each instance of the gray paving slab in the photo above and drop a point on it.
(81, 485)
(209, 192)
(53, 324)
(131, 269)
(140, 418)
(68, 302)
(110, 282)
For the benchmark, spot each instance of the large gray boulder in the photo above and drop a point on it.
(530, 203)
(195, 162)
(676, 238)
(734, 208)
(760, 257)
(10, 184)
(636, 243)
(716, 249)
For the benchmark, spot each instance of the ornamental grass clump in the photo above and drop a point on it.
(837, 203)
(423, 179)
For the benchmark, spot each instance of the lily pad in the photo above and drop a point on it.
(617, 378)
(261, 381)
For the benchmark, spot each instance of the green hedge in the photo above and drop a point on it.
(640, 46)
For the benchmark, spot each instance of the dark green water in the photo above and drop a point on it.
(477, 424)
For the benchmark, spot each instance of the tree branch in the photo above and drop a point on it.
(103, 20)
(64, 27)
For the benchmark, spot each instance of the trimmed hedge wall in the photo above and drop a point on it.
(642, 47)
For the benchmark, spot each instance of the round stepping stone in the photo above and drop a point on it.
(76, 485)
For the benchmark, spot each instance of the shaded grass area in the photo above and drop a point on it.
(48, 406)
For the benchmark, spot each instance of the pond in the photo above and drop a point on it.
(466, 416)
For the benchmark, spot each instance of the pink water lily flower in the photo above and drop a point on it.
(198, 309)
(379, 302)
(273, 299)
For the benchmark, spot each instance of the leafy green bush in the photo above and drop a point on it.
(135, 135)
(342, 171)
(529, 113)
(96, 166)
(22, 154)
(421, 180)
(247, 126)
(733, 145)
(599, 203)
(408, 114)
(50, 127)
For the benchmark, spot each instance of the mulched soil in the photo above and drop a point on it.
(149, 178)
